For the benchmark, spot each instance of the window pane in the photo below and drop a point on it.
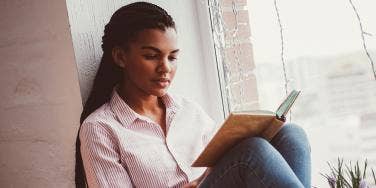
(324, 58)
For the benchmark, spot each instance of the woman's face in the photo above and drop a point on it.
(150, 62)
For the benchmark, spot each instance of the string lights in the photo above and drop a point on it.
(363, 33)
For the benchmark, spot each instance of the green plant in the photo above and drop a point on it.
(349, 176)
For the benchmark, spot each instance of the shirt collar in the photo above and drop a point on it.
(126, 115)
(170, 103)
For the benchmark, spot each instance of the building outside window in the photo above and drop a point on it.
(323, 56)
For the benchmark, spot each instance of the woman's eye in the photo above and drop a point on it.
(172, 58)
(150, 57)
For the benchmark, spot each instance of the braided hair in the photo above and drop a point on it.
(124, 26)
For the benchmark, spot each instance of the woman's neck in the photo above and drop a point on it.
(140, 102)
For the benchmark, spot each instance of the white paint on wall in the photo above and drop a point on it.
(40, 99)
(195, 77)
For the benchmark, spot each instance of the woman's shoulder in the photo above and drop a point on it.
(99, 124)
(102, 116)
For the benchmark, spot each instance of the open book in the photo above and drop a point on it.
(241, 125)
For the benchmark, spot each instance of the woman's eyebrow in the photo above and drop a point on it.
(175, 51)
(156, 49)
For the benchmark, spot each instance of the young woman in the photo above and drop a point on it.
(136, 134)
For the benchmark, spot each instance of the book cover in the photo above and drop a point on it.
(241, 125)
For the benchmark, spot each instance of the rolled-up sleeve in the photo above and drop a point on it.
(101, 158)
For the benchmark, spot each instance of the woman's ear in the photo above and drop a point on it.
(118, 55)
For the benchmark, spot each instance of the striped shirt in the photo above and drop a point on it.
(121, 148)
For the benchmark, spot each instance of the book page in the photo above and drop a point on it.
(287, 103)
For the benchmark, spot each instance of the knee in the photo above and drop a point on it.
(294, 134)
(294, 130)
(291, 128)
(254, 144)
(246, 152)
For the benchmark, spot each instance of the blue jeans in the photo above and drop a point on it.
(284, 162)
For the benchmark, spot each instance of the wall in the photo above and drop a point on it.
(237, 50)
(88, 17)
(40, 100)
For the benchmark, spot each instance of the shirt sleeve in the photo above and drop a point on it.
(209, 133)
(210, 126)
(101, 159)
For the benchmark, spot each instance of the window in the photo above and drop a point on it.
(323, 55)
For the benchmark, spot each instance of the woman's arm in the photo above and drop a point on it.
(100, 158)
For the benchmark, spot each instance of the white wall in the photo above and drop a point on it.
(40, 97)
(196, 75)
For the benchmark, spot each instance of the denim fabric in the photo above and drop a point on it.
(284, 162)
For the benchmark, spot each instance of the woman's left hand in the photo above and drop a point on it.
(196, 182)
(192, 184)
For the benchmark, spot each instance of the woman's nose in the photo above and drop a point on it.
(165, 65)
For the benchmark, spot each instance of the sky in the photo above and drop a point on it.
(310, 27)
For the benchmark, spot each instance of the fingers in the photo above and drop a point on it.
(192, 184)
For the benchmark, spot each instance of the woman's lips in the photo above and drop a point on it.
(162, 82)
